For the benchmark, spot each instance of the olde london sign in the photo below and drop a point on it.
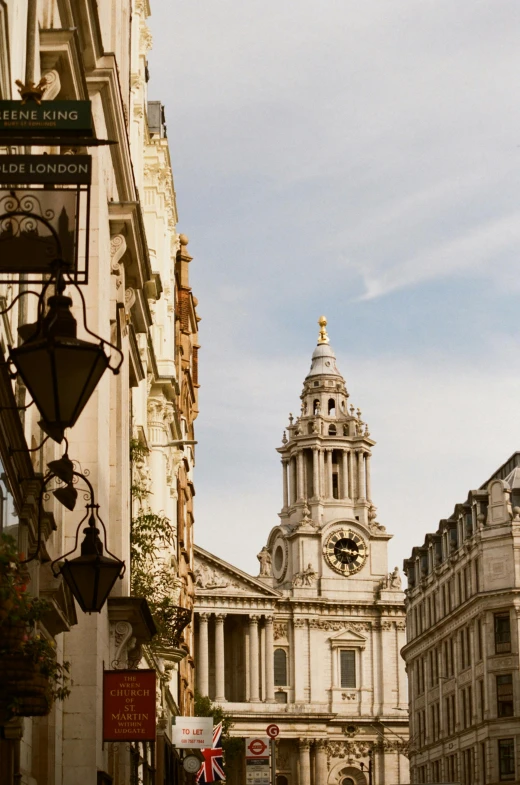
(42, 200)
(46, 169)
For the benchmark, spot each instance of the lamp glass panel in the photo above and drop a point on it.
(90, 579)
(78, 369)
(34, 364)
(61, 376)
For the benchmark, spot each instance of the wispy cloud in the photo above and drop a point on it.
(357, 158)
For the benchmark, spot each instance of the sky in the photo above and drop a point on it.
(357, 159)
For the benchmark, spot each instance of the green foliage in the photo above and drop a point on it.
(151, 535)
(19, 612)
(232, 746)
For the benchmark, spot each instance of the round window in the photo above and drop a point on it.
(278, 558)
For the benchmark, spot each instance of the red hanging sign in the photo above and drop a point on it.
(129, 705)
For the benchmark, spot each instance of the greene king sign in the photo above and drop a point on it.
(36, 169)
(75, 117)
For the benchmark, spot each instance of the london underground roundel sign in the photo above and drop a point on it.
(257, 746)
(272, 731)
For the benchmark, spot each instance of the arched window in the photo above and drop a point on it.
(316, 406)
(332, 430)
(281, 780)
(280, 668)
(332, 407)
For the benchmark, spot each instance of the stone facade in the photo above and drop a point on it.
(462, 651)
(138, 297)
(313, 642)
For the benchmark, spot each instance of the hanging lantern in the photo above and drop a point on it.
(90, 576)
(60, 370)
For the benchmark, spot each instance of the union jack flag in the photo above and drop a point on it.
(211, 770)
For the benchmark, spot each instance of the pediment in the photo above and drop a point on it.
(216, 577)
(348, 636)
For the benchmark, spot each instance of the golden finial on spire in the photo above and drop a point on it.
(323, 336)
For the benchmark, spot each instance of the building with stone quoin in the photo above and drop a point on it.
(462, 655)
(313, 642)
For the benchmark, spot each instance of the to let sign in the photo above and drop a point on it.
(193, 732)
(129, 705)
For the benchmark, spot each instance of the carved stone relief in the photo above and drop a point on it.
(208, 578)
(280, 630)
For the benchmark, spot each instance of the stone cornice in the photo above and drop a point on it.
(465, 613)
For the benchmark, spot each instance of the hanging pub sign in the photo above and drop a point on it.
(45, 169)
(39, 225)
(19, 118)
(129, 705)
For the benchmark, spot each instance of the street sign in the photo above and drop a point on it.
(272, 731)
(129, 705)
(193, 733)
(257, 747)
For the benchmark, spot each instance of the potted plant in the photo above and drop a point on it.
(30, 676)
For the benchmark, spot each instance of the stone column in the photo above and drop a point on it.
(254, 692)
(361, 473)
(269, 660)
(285, 484)
(322, 773)
(219, 658)
(261, 631)
(315, 472)
(246, 661)
(329, 473)
(350, 461)
(368, 485)
(300, 489)
(346, 485)
(292, 477)
(304, 749)
(323, 490)
(203, 654)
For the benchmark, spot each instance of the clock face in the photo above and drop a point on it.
(345, 551)
(191, 764)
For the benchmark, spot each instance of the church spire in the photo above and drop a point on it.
(326, 453)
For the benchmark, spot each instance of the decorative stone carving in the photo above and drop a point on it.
(117, 249)
(348, 750)
(299, 623)
(280, 630)
(207, 578)
(53, 85)
(122, 635)
(264, 557)
(305, 578)
(335, 626)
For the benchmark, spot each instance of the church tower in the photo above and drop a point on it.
(328, 530)
(312, 643)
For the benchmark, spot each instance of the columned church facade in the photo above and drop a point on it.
(312, 644)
